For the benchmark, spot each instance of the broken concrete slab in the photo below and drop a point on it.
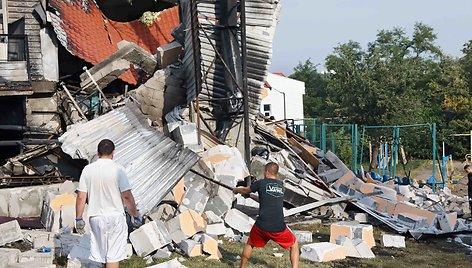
(363, 248)
(239, 221)
(210, 246)
(349, 245)
(323, 252)
(179, 191)
(39, 238)
(191, 248)
(150, 237)
(194, 200)
(50, 215)
(352, 230)
(10, 232)
(216, 229)
(211, 217)
(116, 64)
(9, 256)
(168, 54)
(79, 254)
(447, 222)
(161, 254)
(163, 212)
(186, 134)
(174, 263)
(225, 160)
(185, 225)
(331, 175)
(36, 257)
(392, 241)
(303, 236)
(361, 217)
(31, 264)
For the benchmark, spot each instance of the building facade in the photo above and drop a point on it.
(282, 97)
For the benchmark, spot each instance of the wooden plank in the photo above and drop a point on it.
(305, 154)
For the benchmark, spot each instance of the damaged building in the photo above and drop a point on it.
(178, 86)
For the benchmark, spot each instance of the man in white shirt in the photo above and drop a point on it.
(106, 187)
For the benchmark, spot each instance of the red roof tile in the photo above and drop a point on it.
(92, 37)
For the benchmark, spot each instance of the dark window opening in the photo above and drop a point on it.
(12, 112)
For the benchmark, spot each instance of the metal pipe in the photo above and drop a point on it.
(247, 138)
(25, 128)
(66, 90)
(98, 87)
(26, 142)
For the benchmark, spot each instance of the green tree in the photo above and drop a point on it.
(315, 88)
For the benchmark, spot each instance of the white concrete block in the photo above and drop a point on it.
(239, 221)
(39, 238)
(10, 232)
(191, 248)
(392, 241)
(363, 249)
(349, 245)
(161, 254)
(78, 256)
(194, 200)
(361, 217)
(303, 236)
(36, 257)
(352, 230)
(149, 237)
(216, 229)
(322, 252)
(212, 218)
(9, 256)
(174, 263)
(185, 225)
(447, 222)
(31, 264)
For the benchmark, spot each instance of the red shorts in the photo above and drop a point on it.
(258, 238)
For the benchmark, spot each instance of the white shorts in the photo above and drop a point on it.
(109, 235)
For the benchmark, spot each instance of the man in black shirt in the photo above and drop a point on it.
(468, 169)
(270, 223)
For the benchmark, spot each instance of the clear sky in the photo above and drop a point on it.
(311, 28)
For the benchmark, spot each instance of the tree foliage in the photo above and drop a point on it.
(397, 79)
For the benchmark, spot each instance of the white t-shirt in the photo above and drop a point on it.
(104, 181)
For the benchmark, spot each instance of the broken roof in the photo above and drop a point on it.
(85, 32)
(153, 162)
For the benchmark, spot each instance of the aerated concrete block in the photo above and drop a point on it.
(36, 257)
(9, 256)
(323, 252)
(10, 232)
(186, 134)
(161, 254)
(216, 229)
(363, 249)
(239, 221)
(191, 247)
(349, 245)
(174, 263)
(361, 217)
(448, 222)
(303, 236)
(185, 225)
(352, 230)
(31, 264)
(194, 200)
(392, 241)
(150, 237)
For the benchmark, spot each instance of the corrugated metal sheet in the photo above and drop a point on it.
(153, 162)
(261, 19)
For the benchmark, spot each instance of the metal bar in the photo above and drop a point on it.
(73, 101)
(247, 138)
(433, 138)
(197, 110)
(25, 128)
(98, 87)
(23, 142)
(221, 57)
(314, 205)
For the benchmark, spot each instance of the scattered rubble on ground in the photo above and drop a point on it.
(182, 168)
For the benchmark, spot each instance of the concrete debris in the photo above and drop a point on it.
(33, 256)
(191, 248)
(239, 221)
(9, 256)
(79, 255)
(150, 237)
(163, 212)
(54, 205)
(185, 225)
(361, 217)
(347, 242)
(392, 241)
(10, 232)
(31, 264)
(161, 254)
(40, 238)
(303, 236)
(194, 200)
(363, 248)
(216, 229)
(174, 263)
(323, 252)
(168, 54)
(353, 231)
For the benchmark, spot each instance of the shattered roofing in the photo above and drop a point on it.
(85, 32)
(153, 162)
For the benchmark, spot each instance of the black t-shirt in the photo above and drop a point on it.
(469, 186)
(271, 200)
